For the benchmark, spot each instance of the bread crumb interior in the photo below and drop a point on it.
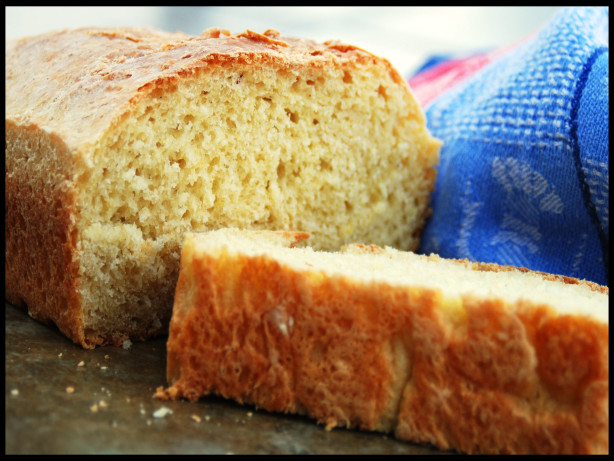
(338, 153)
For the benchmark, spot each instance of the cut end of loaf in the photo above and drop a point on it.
(162, 134)
(340, 152)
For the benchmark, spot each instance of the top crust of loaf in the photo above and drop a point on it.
(133, 62)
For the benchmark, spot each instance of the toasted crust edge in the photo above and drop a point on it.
(542, 398)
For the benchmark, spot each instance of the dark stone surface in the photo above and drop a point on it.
(41, 416)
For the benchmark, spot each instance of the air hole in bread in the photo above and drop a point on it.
(325, 165)
(292, 115)
(231, 124)
(381, 90)
(281, 171)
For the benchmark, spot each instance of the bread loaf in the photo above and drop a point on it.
(118, 141)
(472, 357)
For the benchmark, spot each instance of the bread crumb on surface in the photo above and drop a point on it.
(81, 363)
(15, 392)
(162, 412)
(70, 389)
(94, 408)
(127, 344)
(196, 418)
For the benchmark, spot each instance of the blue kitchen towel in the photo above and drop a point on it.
(523, 174)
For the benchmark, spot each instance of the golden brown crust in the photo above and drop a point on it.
(489, 390)
(104, 71)
(493, 267)
(546, 276)
(39, 233)
(499, 378)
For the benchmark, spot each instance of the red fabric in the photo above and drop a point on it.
(432, 82)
